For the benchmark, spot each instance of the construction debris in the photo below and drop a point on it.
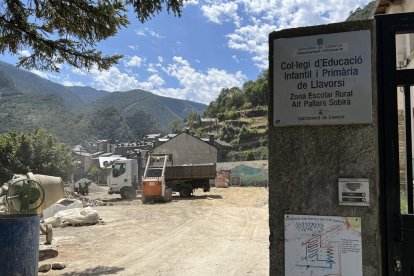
(69, 193)
(61, 204)
(74, 217)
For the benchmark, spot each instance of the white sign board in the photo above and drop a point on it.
(322, 79)
(321, 246)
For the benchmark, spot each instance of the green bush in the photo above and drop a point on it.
(230, 114)
(37, 151)
(229, 132)
(245, 134)
(250, 156)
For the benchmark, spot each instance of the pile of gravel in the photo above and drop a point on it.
(69, 193)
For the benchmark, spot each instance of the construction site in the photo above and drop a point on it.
(221, 232)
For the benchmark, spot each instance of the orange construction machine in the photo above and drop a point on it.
(161, 178)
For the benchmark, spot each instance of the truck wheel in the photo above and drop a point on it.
(143, 199)
(185, 192)
(128, 193)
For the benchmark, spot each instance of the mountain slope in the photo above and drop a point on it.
(28, 101)
(87, 94)
(28, 111)
(29, 83)
(7, 86)
(164, 110)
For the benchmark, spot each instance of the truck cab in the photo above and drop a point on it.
(123, 178)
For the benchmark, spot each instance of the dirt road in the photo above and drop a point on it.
(223, 232)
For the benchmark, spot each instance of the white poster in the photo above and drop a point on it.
(322, 246)
(322, 79)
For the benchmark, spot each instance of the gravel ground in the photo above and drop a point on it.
(222, 232)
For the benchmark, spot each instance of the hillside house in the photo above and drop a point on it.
(187, 149)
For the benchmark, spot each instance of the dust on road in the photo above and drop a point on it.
(223, 232)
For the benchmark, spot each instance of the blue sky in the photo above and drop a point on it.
(215, 44)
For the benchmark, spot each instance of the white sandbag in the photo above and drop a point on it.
(76, 216)
(61, 204)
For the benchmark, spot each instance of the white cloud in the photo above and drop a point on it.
(51, 76)
(254, 40)
(220, 12)
(156, 80)
(134, 61)
(191, 2)
(147, 32)
(133, 47)
(198, 86)
(113, 80)
(72, 83)
(41, 74)
(254, 20)
(78, 71)
(24, 53)
(152, 68)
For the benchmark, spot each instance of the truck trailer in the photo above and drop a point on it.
(161, 178)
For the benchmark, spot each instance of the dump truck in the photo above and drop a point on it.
(161, 178)
(124, 178)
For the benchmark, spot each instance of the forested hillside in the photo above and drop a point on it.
(242, 119)
(162, 109)
(75, 114)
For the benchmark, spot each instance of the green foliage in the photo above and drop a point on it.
(228, 133)
(244, 134)
(260, 153)
(27, 111)
(109, 124)
(362, 13)
(193, 119)
(230, 114)
(253, 93)
(176, 126)
(28, 83)
(264, 153)
(163, 110)
(93, 173)
(146, 9)
(67, 31)
(250, 156)
(36, 150)
(141, 123)
(220, 116)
